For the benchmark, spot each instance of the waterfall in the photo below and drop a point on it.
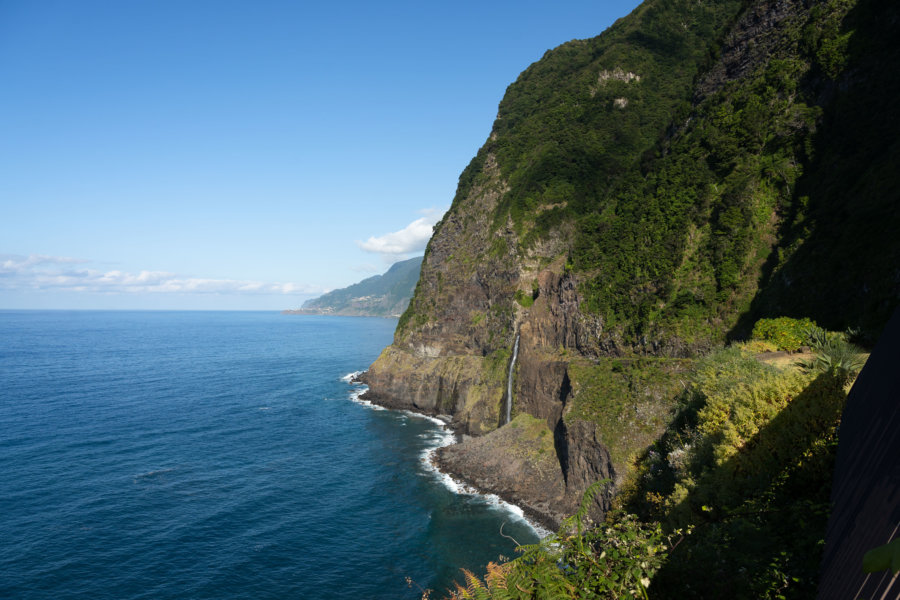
(509, 380)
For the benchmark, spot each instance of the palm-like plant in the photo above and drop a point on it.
(834, 354)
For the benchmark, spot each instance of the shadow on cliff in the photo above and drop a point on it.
(760, 515)
(843, 219)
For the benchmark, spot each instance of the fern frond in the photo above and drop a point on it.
(459, 593)
(496, 576)
(474, 584)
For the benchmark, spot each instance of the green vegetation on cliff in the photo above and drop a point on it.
(710, 163)
(579, 120)
(731, 205)
(731, 502)
(628, 399)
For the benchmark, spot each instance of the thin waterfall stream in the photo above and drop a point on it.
(509, 380)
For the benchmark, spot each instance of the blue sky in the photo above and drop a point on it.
(243, 155)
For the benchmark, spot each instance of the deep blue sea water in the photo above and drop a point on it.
(219, 455)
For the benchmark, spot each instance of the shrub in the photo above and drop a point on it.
(525, 300)
(758, 346)
(616, 559)
(747, 463)
(786, 333)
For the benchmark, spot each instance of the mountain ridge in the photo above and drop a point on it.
(385, 295)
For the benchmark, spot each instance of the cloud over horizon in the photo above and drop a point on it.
(400, 244)
(41, 272)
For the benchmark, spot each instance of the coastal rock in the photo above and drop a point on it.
(521, 461)
(517, 462)
(465, 387)
(548, 479)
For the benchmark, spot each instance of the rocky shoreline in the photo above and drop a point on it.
(517, 462)
(479, 464)
(475, 462)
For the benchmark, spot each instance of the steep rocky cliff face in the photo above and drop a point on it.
(452, 344)
(641, 195)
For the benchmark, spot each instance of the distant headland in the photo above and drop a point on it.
(384, 295)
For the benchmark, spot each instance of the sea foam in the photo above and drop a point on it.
(440, 438)
(446, 437)
(358, 390)
(356, 394)
(351, 377)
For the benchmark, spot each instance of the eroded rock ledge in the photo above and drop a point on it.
(521, 463)
(555, 448)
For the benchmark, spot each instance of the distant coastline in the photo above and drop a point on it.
(333, 313)
(384, 295)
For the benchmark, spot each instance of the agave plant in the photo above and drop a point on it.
(816, 337)
(834, 353)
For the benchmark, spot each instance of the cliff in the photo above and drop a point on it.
(644, 196)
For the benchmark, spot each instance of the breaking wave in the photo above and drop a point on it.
(438, 438)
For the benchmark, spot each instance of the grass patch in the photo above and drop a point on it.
(629, 399)
(524, 300)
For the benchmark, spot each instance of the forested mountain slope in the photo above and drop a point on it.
(384, 295)
(645, 196)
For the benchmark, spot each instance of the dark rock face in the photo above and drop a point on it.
(541, 388)
(464, 295)
(556, 322)
(583, 457)
(749, 43)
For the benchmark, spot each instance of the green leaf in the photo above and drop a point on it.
(882, 558)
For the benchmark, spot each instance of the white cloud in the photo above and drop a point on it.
(412, 238)
(39, 272)
(13, 263)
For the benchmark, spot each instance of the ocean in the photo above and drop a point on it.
(221, 455)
